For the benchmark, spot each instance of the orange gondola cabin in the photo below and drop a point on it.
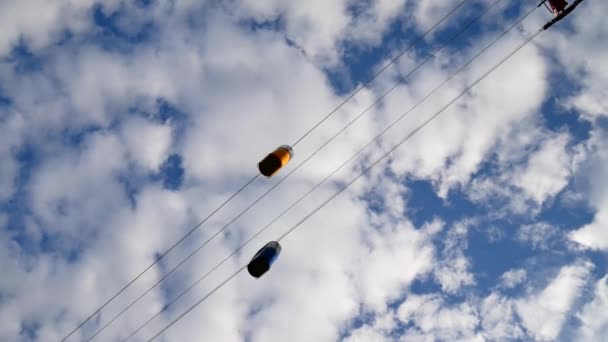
(275, 160)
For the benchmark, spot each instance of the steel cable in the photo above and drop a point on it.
(269, 190)
(376, 162)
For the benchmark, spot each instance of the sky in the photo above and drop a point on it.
(124, 123)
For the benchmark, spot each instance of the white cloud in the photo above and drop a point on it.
(532, 167)
(594, 315)
(588, 68)
(316, 26)
(321, 28)
(433, 319)
(428, 12)
(368, 26)
(547, 171)
(39, 23)
(367, 334)
(538, 235)
(513, 278)
(448, 152)
(499, 319)
(244, 93)
(396, 257)
(147, 143)
(541, 314)
(427, 317)
(72, 192)
(453, 270)
(11, 128)
(544, 313)
(595, 234)
(117, 255)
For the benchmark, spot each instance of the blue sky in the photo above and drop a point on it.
(124, 123)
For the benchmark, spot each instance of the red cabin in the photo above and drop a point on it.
(557, 5)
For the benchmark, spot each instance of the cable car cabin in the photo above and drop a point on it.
(263, 259)
(557, 6)
(275, 160)
(560, 9)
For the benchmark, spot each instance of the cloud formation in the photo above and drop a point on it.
(97, 98)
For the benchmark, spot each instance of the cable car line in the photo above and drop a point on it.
(374, 76)
(161, 256)
(346, 162)
(544, 28)
(220, 285)
(334, 195)
(274, 186)
(376, 162)
(407, 137)
(308, 216)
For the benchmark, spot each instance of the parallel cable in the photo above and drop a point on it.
(374, 76)
(282, 179)
(160, 257)
(391, 62)
(407, 137)
(376, 162)
(166, 306)
(219, 286)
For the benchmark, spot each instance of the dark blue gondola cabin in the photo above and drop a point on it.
(263, 259)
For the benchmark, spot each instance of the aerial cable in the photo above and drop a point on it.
(377, 161)
(215, 289)
(345, 163)
(161, 256)
(332, 197)
(407, 137)
(220, 285)
(374, 76)
(263, 195)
